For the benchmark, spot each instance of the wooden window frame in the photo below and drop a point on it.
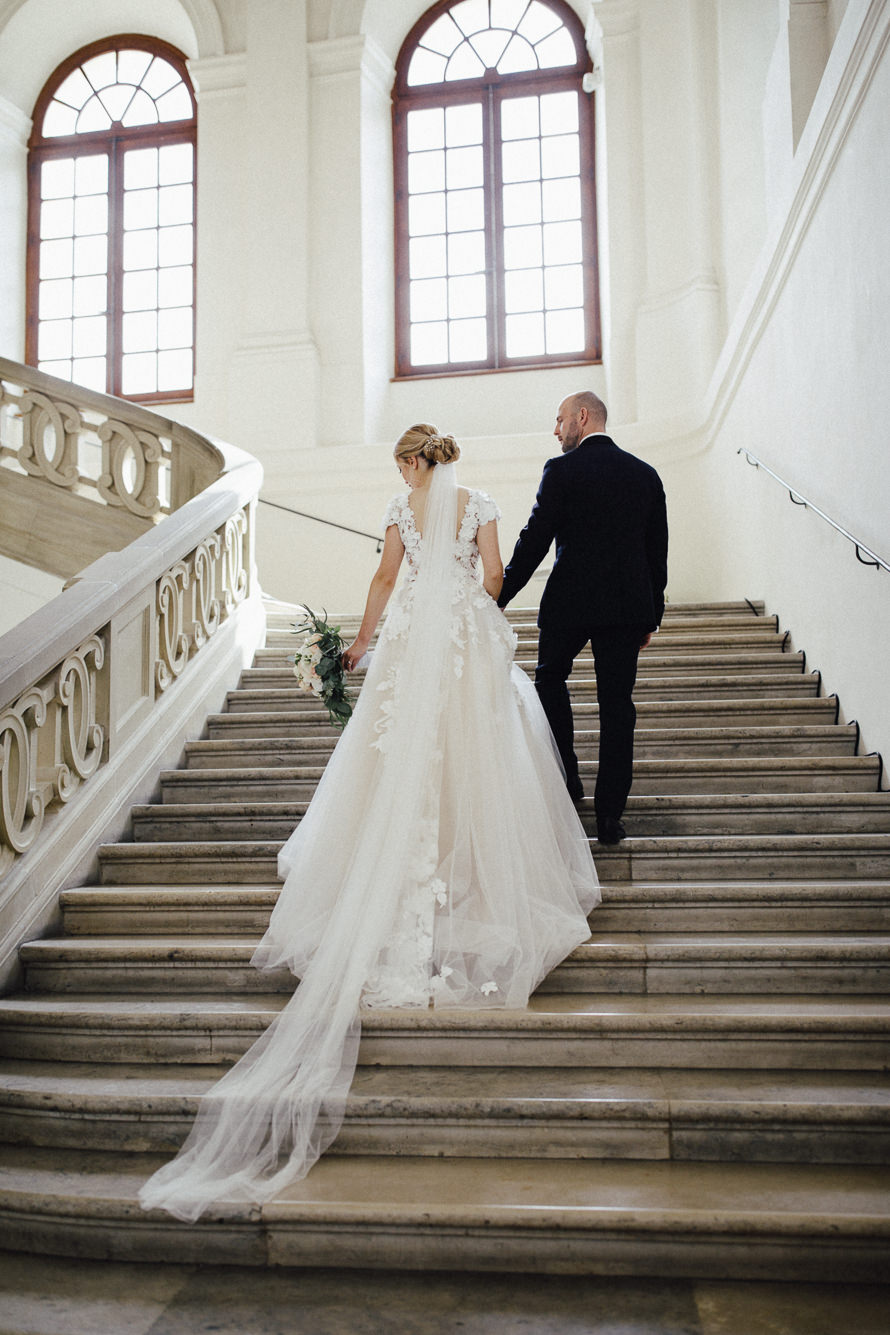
(115, 141)
(493, 88)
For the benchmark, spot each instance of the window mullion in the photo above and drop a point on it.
(115, 265)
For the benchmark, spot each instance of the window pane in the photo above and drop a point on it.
(565, 331)
(141, 111)
(507, 13)
(175, 369)
(443, 35)
(426, 129)
(101, 70)
(427, 256)
(54, 340)
(429, 344)
(464, 64)
(89, 336)
(176, 286)
(468, 341)
(522, 203)
(558, 49)
(175, 164)
(140, 291)
(489, 47)
(91, 175)
(55, 300)
(140, 209)
(175, 328)
(61, 369)
(521, 160)
(464, 167)
(538, 22)
(175, 245)
(57, 178)
(559, 113)
(426, 172)
(562, 243)
(522, 247)
(463, 124)
(560, 155)
(58, 120)
(564, 286)
(470, 15)
(140, 168)
(175, 105)
(525, 335)
(116, 99)
(466, 252)
(524, 290)
(518, 56)
(466, 296)
(91, 372)
(466, 210)
(91, 215)
(161, 76)
(75, 90)
(90, 255)
(56, 259)
(562, 199)
(131, 65)
(56, 218)
(175, 204)
(139, 373)
(519, 118)
(140, 331)
(426, 67)
(141, 250)
(93, 117)
(426, 215)
(91, 295)
(429, 299)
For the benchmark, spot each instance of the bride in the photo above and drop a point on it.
(441, 861)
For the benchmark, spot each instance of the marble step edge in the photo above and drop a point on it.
(724, 633)
(272, 670)
(585, 1113)
(582, 1216)
(747, 609)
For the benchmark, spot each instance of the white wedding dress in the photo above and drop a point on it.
(440, 862)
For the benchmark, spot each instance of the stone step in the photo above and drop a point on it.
(596, 1216)
(717, 857)
(627, 963)
(679, 638)
(282, 617)
(520, 1112)
(670, 906)
(651, 777)
(645, 817)
(776, 1032)
(278, 675)
(767, 686)
(748, 713)
(710, 744)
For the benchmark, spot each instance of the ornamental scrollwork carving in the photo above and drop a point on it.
(131, 462)
(80, 737)
(22, 803)
(207, 606)
(173, 641)
(50, 434)
(234, 574)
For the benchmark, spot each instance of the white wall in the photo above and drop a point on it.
(23, 590)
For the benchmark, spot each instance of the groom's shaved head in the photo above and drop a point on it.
(596, 409)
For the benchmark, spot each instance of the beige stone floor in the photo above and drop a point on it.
(48, 1296)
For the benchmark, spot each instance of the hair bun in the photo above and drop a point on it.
(441, 449)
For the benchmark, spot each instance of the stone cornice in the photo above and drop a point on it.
(347, 55)
(219, 74)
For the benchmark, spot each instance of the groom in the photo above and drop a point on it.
(606, 510)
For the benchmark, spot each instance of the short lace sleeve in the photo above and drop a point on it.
(392, 512)
(486, 508)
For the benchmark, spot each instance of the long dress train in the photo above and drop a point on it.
(440, 862)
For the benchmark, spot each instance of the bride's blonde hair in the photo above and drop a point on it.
(425, 442)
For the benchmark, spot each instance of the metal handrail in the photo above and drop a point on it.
(797, 499)
(318, 519)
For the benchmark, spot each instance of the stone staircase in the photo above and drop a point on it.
(700, 1089)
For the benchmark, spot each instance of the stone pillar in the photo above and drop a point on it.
(15, 127)
(274, 403)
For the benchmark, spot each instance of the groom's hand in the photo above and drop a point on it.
(647, 639)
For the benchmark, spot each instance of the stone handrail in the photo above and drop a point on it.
(87, 681)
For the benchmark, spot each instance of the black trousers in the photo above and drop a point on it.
(615, 654)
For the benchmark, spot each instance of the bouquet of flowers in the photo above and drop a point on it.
(318, 667)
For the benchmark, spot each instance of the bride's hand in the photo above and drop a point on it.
(350, 657)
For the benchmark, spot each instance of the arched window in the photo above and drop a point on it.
(495, 205)
(111, 222)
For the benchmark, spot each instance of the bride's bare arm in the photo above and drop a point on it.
(489, 550)
(381, 587)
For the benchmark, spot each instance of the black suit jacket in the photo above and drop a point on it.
(606, 511)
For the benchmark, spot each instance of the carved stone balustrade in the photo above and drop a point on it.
(100, 688)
